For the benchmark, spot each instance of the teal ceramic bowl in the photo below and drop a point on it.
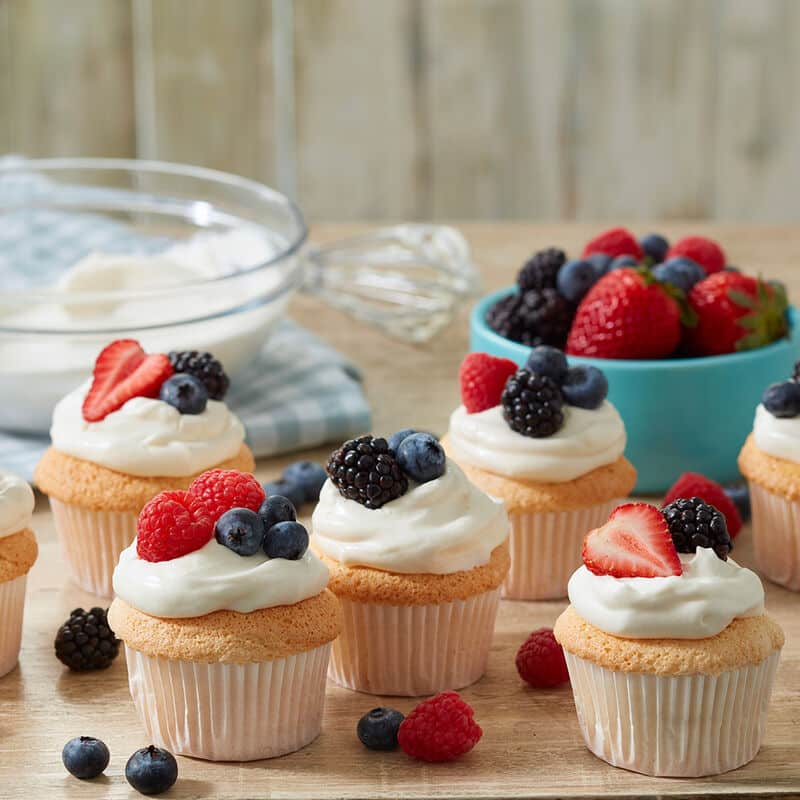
(680, 414)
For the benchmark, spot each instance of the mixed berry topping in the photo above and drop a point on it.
(85, 757)
(783, 399)
(585, 387)
(86, 642)
(240, 530)
(173, 524)
(421, 457)
(205, 368)
(223, 489)
(151, 770)
(483, 378)
(287, 540)
(694, 523)
(532, 404)
(693, 484)
(540, 660)
(377, 729)
(186, 393)
(277, 508)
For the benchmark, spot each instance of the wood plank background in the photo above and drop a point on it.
(532, 109)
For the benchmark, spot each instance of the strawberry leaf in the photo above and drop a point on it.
(742, 299)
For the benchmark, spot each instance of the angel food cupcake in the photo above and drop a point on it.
(770, 460)
(226, 621)
(18, 551)
(670, 654)
(417, 555)
(144, 424)
(546, 441)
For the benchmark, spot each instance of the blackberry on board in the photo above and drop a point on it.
(205, 368)
(532, 404)
(532, 318)
(85, 642)
(365, 470)
(693, 523)
(541, 269)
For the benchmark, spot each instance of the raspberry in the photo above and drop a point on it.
(172, 524)
(705, 252)
(224, 489)
(693, 484)
(614, 242)
(482, 379)
(540, 660)
(439, 729)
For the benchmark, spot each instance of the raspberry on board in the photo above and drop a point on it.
(224, 489)
(540, 660)
(171, 525)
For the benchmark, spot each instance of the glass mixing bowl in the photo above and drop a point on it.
(194, 259)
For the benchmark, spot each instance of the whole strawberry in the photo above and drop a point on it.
(705, 252)
(735, 312)
(614, 242)
(626, 314)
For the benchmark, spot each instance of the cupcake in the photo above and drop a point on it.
(18, 553)
(770, 460)
(417, 555)
(670, 654)
(546, 441)
(226, 621)
(144, 424)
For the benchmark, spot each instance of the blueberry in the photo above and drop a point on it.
(288, 489)
(378, 728)
(85, 757)
(396, 438)
(585, 387)
(187, 393)
(601, 262)
(622, 261)
(782, 399)
(308, 476)
(654, 246)
(574, 279)
(240, 530)
(276, 508)
(151, 770)
(731, 268)
(548, 361)
(740, 495)
(681, 272)
(421, 457)
(287, 540)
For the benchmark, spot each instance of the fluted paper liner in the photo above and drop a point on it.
(92, 542)
(776, 536)
(414, 650)
(546, 549)
(681, 726)
(12, 606)
(230, 712)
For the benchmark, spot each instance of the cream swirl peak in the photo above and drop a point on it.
(147, 437)
(702, 601)
(777, 436)
(589, 438)
(442, 526)
(16, 504)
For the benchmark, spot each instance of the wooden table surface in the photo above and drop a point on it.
(531, 745)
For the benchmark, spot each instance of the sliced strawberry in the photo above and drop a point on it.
(483, 378)
(634, 543)
(123, 371)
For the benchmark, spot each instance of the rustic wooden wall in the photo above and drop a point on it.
(585, 109)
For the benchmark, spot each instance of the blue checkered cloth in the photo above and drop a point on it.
(298, 393)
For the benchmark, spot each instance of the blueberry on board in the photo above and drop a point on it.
(240, 530)
(574, 279)
(85, 757)
(622, 261)
(276, 508)
(585, 387)
(378, 728)
(151, 770)
(186, 393)
(308, 476)
(654, 246)
(740, 496)
(288, 489)
(421, 457)
(782, 399)
(548, 361)
(396, 438)
(287, 540)
(601, 262)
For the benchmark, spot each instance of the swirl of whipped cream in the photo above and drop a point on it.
(777, 436)
(587, 440)
(443, 526)
(16, 504)
(147, 437)
(215, 578)
(701, 602)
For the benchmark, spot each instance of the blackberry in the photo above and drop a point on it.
(85, 641)
(204, 367)
(365, 470)
(693, 523)
(541, 269)
(532, 318)
(532, 404)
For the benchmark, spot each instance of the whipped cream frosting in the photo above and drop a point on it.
(215, 578)
(701, 602)
(587, 440)
(443, 526)
(777, 436)
(16, 504)
(147, 437)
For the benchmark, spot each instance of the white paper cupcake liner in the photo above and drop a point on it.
(230, 712)
(12, 606)
(92, 542)
(776, 536)
(414, 650)
(680, 726)
(546, 549)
